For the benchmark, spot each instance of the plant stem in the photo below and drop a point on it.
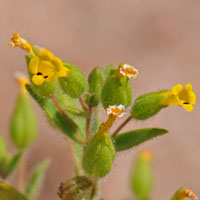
(88, 123)
(75, 158)
(67, 119)
(22, 173)
(84, 106)
(121, 126)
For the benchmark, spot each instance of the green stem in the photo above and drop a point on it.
(22, 173)
(88, 122)
(121, 126)
(66, 119)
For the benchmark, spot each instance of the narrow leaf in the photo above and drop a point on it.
(36, 179)
(132, 138)
(13, 163)
(69, 128)
(7, 192)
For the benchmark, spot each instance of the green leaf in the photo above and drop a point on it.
(69, 128)
(7, 192)
(36, 179)
(132, 138)
(13, 163)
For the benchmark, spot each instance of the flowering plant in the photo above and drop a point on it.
(71, 103)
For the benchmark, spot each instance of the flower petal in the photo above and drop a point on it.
(38, 79)
(177, 88)
(46, 54)
(188, 107)
(33, 65)
(62, 71)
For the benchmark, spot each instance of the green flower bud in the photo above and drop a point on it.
(95, 81)
(142, 176)
(80, 187)
(116, 90)
(98, 155)
(23, 124)
(148, 105)
(74, 84)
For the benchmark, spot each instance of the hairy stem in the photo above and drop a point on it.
(121, 126)
(84, 106)
(66, 118)
(75, 158)
(88, 123)
(22, 173)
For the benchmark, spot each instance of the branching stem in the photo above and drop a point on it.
(121, 126)
(84, 106)
(66, 118)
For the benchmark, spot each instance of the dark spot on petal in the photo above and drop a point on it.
(185, 103)
(39, 73)
(45, 76)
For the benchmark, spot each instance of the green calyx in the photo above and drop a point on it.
(148, 105)
(116, 90)
(74, 84)
(95, 81)
(98, 155)
(142, 178)
(23, 125)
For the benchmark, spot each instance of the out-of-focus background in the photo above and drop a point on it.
(160, 38)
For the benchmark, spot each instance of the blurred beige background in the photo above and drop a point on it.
(160, 37)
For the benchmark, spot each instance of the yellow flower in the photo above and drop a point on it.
(116, 111)
(128, 70)
(189, 193)
(113, 113)
(184, 97)
(46, 67)
(20, 42)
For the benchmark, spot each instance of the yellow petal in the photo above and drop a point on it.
(177, 88)
(33, 65)
(188, 87)
(38, 79)
(46, 54)
(46, 68)
(51, 78)
(170, 99)
(188, 107)
(62, 71)
(56, 61)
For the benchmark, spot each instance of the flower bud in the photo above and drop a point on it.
(147, 105)
(77, 188)
(74, 84)
(116, 90)
(142, 177)
(98, 155)
(95, 81)
(23, 124)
